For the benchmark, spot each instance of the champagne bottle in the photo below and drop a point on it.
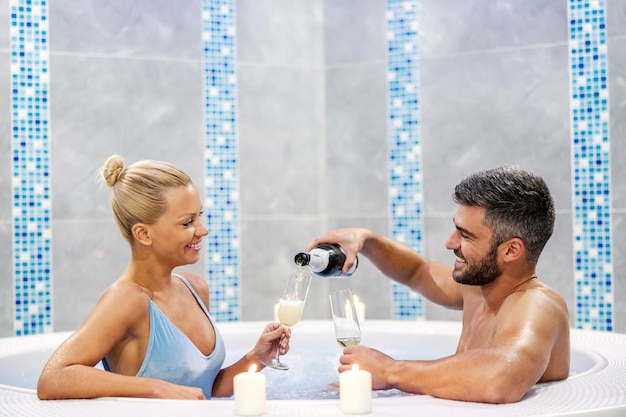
(325, 260)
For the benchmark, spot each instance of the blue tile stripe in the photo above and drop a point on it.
(221, 158)
(591, 170)
(405, 149)
(30, 148)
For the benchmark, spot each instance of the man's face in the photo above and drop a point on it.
(476, 258)
(481, 272)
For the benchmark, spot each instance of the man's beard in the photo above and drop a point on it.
(484, 272)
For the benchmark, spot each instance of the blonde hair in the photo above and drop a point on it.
(139, 191)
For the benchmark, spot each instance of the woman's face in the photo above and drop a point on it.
(177, 235)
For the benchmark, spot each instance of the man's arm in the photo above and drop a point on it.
(530, 342)
(399, 262)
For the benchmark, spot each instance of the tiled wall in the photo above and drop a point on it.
(591, 165)
(300, 132)
(30, 181)
(221, 179)
(406, 194)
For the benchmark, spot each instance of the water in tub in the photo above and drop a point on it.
(313, 374)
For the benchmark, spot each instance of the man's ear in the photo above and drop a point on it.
(141, 234)
(514, 249)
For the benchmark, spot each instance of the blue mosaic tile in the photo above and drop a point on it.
(30, 144)
(591, 169)
(221, 158)
(405, 149)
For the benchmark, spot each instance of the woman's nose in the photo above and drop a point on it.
(202, 230)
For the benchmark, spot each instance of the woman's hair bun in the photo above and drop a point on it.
(112, 170)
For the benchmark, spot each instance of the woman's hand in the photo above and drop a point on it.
(274, 336)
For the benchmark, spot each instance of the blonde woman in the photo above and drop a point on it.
(152, 328)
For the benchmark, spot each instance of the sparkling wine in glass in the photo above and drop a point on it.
(347, 329)
(290, 307)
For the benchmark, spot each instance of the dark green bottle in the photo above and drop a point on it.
(325, 260)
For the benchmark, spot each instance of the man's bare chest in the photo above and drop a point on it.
(478, 330)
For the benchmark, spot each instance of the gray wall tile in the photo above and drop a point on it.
(5, 24)
(121, 28)
(615, 18)
(354, 34)
(149, 115)
(6, 230)
(280, 32)
(460, 27)
(484, 110)
(356, 176)
(280, 130)
(619, 265)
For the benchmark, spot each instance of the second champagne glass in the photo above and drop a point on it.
(347, 329)
(290, 307)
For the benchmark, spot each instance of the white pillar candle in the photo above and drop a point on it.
(276, 306)
(360, 309)
(249, 390)
(355, 391)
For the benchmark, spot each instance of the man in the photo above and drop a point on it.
(515, 328)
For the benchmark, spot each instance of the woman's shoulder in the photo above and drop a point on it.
(125, 294)
(123, 305)
(198, 283)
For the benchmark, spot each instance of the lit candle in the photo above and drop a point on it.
(360, 309)
(355, 391)
(276, 306)
(249, 390)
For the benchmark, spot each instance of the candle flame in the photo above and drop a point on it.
(348, 308)
(356, 299)
(252, 368)
(355, 367)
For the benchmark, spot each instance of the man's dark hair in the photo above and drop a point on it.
(517, 202)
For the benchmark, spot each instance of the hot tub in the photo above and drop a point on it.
(596, 386)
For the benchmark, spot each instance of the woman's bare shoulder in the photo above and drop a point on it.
(124, 296)
(122, 308)
(125, 288)
(198, 283)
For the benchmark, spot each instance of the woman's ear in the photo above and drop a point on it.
(141, 234)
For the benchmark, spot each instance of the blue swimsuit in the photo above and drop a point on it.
(172, 357)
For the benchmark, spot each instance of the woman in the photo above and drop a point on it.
(151, 328)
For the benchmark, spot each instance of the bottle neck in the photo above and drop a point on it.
(302, 259)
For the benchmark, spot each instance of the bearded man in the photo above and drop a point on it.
(515, 327)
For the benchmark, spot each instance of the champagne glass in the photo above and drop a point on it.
(290, 307)
(347, 329)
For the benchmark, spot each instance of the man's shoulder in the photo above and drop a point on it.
(538, 298)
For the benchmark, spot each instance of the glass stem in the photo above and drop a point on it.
(277, 358)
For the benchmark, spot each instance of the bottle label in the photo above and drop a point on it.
(319, 260)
